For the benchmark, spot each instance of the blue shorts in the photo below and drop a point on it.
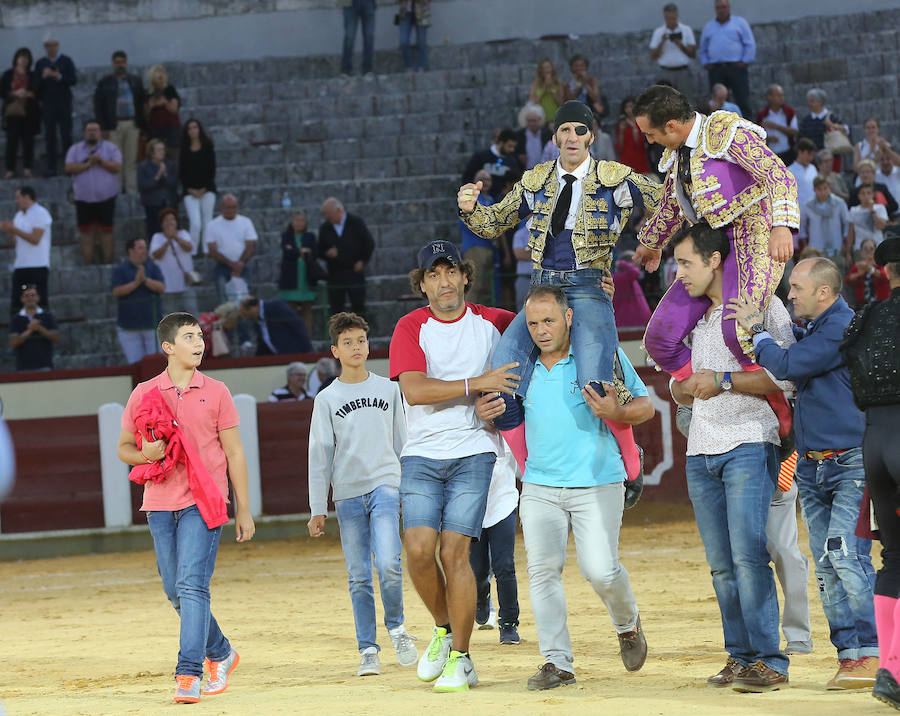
(448, 495)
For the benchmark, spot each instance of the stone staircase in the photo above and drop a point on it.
(392, 147)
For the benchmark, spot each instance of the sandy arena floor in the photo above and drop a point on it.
(94, 635)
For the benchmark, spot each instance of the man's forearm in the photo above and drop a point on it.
(638, 411)
(754, 382)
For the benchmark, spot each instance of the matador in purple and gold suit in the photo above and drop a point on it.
(738, 185)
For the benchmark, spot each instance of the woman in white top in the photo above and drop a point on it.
(172, 250)
(871, 146)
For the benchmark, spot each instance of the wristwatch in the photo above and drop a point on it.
(757, 328)
(726, 381)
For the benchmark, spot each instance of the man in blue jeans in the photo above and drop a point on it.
(356, 11)
(732, 468)
(830, 474)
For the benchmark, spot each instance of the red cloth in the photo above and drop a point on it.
(154, 421)
(882, 283)
(631, 147)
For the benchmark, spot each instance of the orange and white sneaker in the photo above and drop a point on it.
(188, 689)
(219, 671)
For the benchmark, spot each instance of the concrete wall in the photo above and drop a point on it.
(168, 30)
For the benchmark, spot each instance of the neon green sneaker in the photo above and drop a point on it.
(458, 674)
(431, 665)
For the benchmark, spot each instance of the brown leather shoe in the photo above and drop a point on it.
(758, 679)
(633, 647)
(726, 676)
(549, 677)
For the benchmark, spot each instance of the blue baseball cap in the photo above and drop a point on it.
(436, 250)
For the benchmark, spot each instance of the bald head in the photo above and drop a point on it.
(229, 206)
(815, 285)
(332, 210)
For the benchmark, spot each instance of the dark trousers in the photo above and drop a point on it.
(57, 117)
(151, 221)
(359, 11)
(881, 458)
(495, 550)
(737, 79)
(17, 131)
(344, 285)
(24, 276)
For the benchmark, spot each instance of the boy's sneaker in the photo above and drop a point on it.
(407, 654)
(431, 665)
(458, 674)
(483, 610)
(369, 664)
(187, 690)
(509, 634)
(219, 671)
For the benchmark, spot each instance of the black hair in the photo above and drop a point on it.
(20, 52)
(505, 135)
(119, 53)
(205, 139)
(28, 191)
(129, 245)
(661, 104)
(707, 240)
(804, 144)
(169, 325)
(546, 290)
(417, 274)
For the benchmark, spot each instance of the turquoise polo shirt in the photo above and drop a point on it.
(567, 445)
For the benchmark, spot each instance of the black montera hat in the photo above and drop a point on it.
(888, 252)
(574, 111)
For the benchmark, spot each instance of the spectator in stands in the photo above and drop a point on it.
(865, 174)
(295, 388)
(481, 252)
(346, 245)
(32, 332)
(533, 135)
(824, 221)
(673, 46)
(119, 107)
(95, 164)
(29, 233)
(780, 122)
(137, 283)
(224, 318)
(727, 48)
(629, 303)
(499, 160)
(867, 219)
(355, 12)
(870, 282)
(161, 110)
(197, 172)
(873, 146)
(718, 99)
(820, 120)
(825, 164)
(630, 143)
(546, 89)
(55, 74)
(21, 116)
(230, 242)
(300, 269)
(804, 171)
(158, 184)
(172, 250)
(524, 264)
(279, 329)
(326, 371)
(414, 13)
(888, 174)
(583, 87)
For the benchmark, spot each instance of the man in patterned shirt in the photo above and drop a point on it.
(732, 467)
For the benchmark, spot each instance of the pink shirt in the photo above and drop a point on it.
(202, 411)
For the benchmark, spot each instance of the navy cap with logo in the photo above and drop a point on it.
(436, 250)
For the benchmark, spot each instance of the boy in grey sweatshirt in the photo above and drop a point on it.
(357, 431)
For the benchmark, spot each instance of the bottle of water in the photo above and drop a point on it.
(285, 201)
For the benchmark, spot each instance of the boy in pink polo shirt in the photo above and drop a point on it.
(185, 545)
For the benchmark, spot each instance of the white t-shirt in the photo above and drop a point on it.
(804, 177)
(30, 255)
(864, 224)
(781, 143)
(229, 236)
(173, 274)
(672, 56)
(447, 350)
(891, 181)
(503, 497)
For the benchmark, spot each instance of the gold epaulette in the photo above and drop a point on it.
(535, 178)
(719, 130)
(611, 174)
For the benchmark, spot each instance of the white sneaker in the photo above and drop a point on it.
(432, 662)
(458, 675)
(407, 654)
(369, 664)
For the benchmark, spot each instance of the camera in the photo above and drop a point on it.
(675, 35)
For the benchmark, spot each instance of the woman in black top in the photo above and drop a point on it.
(21, 119)
(871, 350)
(197, 172)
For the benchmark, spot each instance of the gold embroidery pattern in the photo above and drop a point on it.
(660, 227)
(719, 212)
(666, 160)
(651, 192)
(491, 221)
(611, 174)
(752, 155)
(535, 178)
(719, 132)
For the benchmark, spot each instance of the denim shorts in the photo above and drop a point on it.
(448, 495)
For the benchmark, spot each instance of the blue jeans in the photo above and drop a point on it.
(186, 557)
(594, 336)
(496, 552)
(406, 26)
(731, 493)
(370, 524)
(360, 10)
(830, 496)
(448, 495)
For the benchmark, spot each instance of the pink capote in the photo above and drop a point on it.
(153, 418)
(629, 303)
